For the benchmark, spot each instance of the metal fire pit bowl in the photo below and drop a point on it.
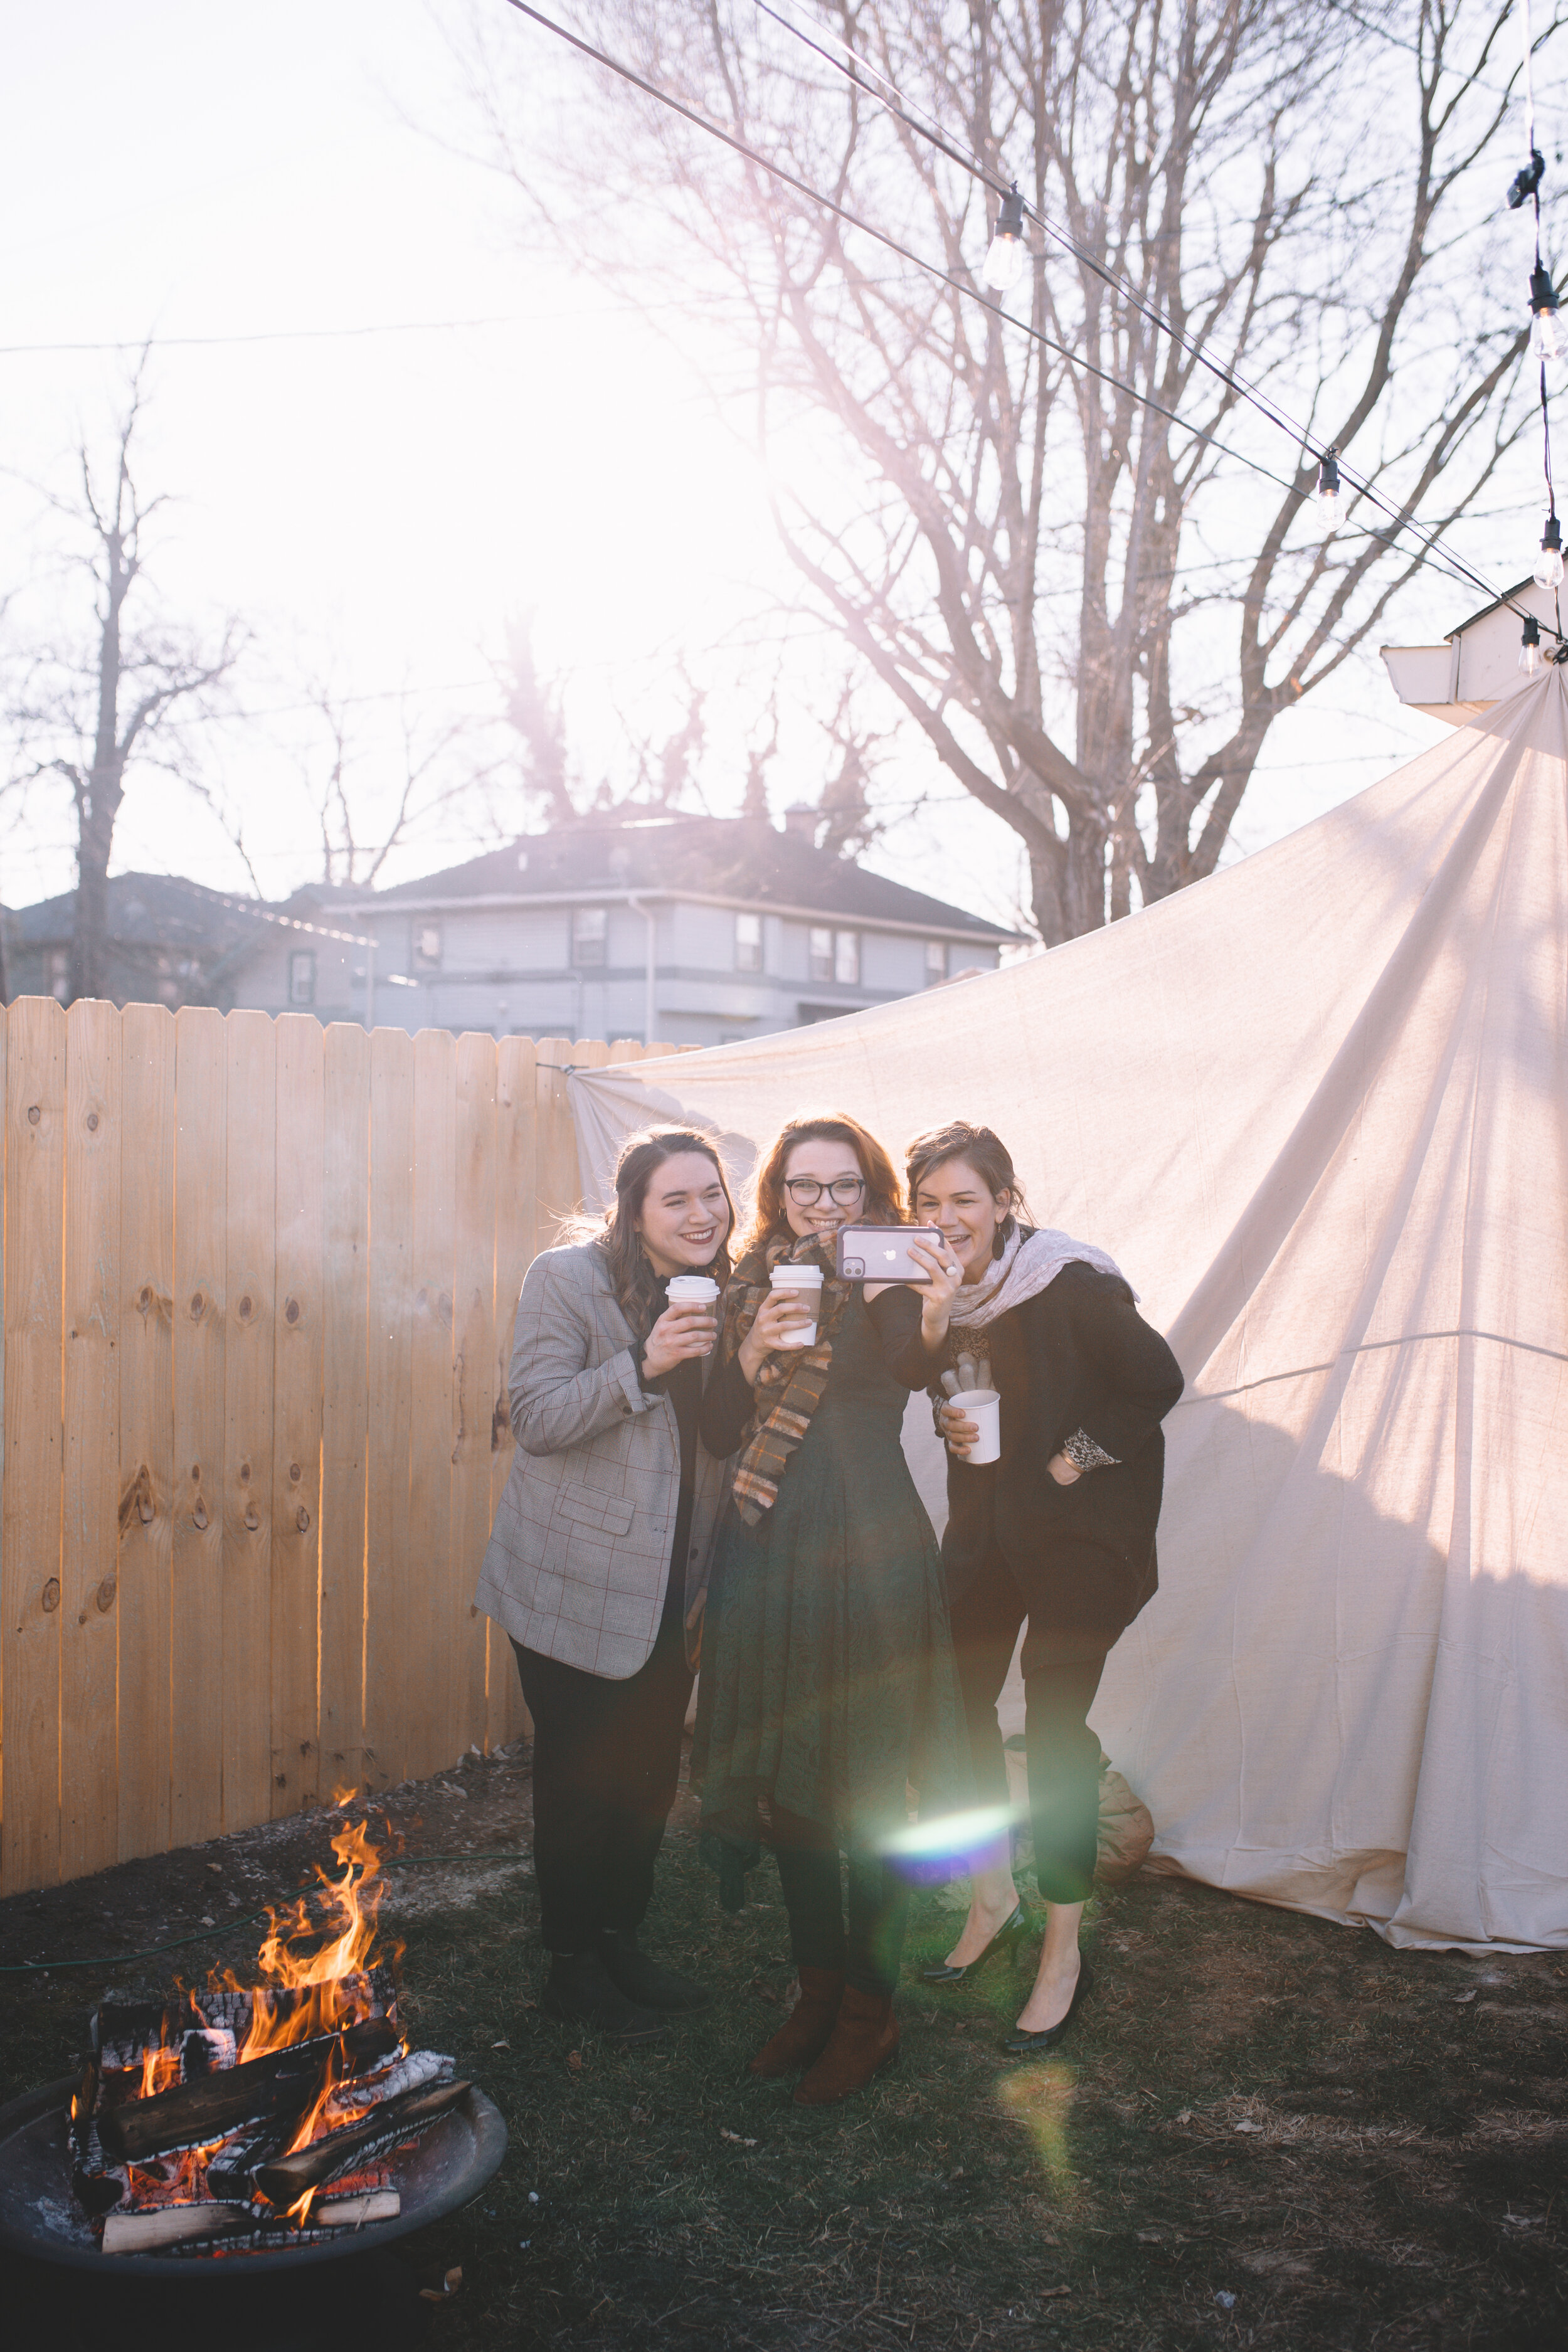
(40, 2215)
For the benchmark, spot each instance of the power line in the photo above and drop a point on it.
(931, 132)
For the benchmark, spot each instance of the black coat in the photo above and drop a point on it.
(1076, 1356)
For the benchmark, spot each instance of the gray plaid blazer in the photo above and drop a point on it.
(575, 1567)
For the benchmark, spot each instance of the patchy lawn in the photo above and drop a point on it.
(1267, 2130)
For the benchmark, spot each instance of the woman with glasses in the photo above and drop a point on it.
(828, 1681)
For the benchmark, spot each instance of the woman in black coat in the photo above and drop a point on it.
(1059, 1530)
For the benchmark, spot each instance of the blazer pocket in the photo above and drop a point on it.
(611, 1515)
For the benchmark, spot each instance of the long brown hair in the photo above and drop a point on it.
(884, 1201)
(981, 1148)
(636, 1284)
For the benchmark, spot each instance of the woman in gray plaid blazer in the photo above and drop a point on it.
(597, 1564)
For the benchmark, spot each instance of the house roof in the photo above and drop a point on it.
(736, 859)
(154, 912)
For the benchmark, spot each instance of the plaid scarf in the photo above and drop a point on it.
(777, 1426)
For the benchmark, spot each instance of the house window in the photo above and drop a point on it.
(822, 955)
(60, 961)
(590, 934)
(302, 977)
(936, 961)
(427, 946)
(748, 943)
(847, 958)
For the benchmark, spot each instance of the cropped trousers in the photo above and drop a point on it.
(1062, 1677)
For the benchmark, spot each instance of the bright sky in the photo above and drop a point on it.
(375, 504)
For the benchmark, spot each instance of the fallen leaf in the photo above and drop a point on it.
(1247, 2127)
(500, 2046)
(215, 1865)
(1461, 1998)
(1048, 2291)
(208, 1922)
(449, 2286)
(574, 2059)
(738, 2140)
(1185, 2117)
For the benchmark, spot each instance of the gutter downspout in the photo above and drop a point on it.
(651, 919)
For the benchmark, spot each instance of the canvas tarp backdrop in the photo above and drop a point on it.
(1317, 1106)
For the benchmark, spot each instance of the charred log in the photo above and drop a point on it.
(286, 2181)
(211, 2106)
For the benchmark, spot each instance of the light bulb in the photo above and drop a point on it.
(1548, 336)
(1530, 646)
(1004, 263)
(1549, 563)
(1331, 493)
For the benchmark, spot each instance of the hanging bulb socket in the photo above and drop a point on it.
(1548, 338)
(1004, 263)
(1530, 646)
(1330, 492)
(1549, 566)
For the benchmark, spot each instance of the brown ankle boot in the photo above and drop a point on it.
(803, 2034)
(864, 2038)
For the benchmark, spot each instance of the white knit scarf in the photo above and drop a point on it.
(1028, 1264)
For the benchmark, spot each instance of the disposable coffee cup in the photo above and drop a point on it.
(693, 1290)
(984, 1407)
(805, 1279)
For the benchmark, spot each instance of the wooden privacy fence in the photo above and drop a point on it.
(258, 1287)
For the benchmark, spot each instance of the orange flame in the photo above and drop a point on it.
(329, 1973)
(160, 2067)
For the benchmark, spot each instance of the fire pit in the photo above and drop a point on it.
(251, 2126)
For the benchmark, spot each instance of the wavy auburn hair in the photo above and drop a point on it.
(883, 1203)
(980, 1148)
(636, 1284)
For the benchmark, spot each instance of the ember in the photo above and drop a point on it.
(244, 2115)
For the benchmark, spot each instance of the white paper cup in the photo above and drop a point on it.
(806, 1281)
(984, 1407)
(695, 1290)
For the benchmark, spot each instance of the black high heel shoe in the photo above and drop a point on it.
(1007, 1933)
(1020, 2043)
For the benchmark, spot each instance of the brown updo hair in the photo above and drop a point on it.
(983, 1150)
(883, 1203)
(638, 1288)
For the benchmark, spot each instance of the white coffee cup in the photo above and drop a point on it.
(806, 1280)
(693, 1290)
(984, 1407)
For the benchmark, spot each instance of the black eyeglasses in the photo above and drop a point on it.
(806, 1191)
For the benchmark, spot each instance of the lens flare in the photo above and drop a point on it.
(955, 1834)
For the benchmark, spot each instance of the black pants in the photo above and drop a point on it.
(867, 1952)
(1064, 1753)
(607, 1760)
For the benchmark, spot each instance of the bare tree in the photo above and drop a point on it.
(92, 707)
(664, 767)
(1093, 613)
(432, 771)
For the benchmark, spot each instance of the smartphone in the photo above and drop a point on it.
(881, 1253)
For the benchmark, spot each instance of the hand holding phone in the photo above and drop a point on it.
(882, 1253)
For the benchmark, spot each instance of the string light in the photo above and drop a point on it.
(1004, 265)
(1331, 493)
(1548, 336)
(1530, 646)
(1549, 563)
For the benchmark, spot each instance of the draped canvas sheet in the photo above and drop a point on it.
(1318, 1109)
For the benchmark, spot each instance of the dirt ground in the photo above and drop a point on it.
(1267, 2130)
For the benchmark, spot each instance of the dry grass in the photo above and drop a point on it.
(1360, 2146)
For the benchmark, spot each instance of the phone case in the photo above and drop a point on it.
(881, 1253)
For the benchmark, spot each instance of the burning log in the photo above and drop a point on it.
(285, 2182)
(178, 2225)
(210, 2107)
(212, 2124)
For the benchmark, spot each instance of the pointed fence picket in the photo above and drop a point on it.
(259, 1281)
